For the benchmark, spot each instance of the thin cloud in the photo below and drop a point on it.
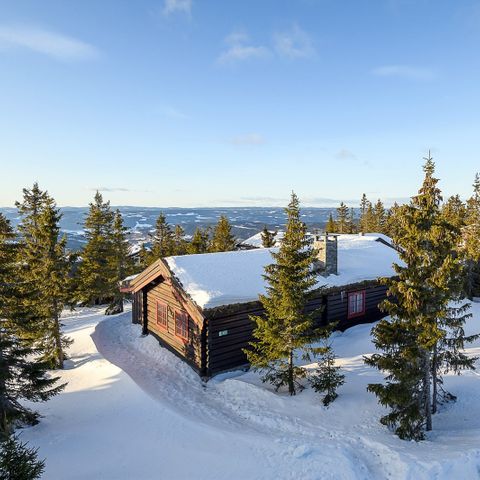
(46, 42)
(110, 189)
(174, 113)
(404, 71)
(177, 6)
(248, 139)
(344, 154)
(239, 48)
(294, 43)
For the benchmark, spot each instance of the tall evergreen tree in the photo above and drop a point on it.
(199, 242)
(285, 327)
(424, 335)
(121, 262)
(268, 237)
(95, 274)
(331, 226)
(162, 242)
(471, 241)
(18, 461)
(343, 221)
(22, 375)
(379, 216)
(180, 245)
(223, 240)
(45, 271)
(454, 211)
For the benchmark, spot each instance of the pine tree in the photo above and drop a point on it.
(162, 241)
(327, 377)
(95, 273)
(365, 206)
(331, 225)
(424, 335)
(344, 221)
(22, 375)
(199, 242)
(268, 237)
(393, 226)
(223, 240)
(18, 461)
(180, 245)
(144, 258)
(121, 262)
(454, 211)
(471, 242)
(285, 327)
(379, 217)
(45, 271)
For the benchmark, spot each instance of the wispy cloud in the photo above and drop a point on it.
(174, 113)
(110, 189)
(294, 43)
(177, 6)
(248, 139)
(404, 71)
(344, 154)
(239, 48)
(46, 42)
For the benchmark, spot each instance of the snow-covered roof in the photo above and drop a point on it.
(256, 240)
(214, 279)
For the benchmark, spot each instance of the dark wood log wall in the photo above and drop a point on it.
(137, 310)
(230, 331)
(337, 307)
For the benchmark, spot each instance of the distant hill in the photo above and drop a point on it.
(246, 221)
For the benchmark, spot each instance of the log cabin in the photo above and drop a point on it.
(199, 306)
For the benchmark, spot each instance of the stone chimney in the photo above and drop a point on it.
(327, 257)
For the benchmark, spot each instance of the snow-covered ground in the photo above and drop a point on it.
(132, 410)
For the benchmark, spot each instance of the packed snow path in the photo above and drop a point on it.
(132, 410)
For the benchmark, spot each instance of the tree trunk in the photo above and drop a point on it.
(58, 343)
(291, 383)
(435, 379)
(427, 390)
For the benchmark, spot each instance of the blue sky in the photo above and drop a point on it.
(218, 103)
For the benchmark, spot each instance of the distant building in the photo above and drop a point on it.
(198, 306)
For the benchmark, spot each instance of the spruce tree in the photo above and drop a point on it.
(379, 217)
(144, 257)
(180, 245)
(162, 240)
(268, 237)
(199, 242)
(18, 461)
(471, 242)
(223, 240)
(343, 221)
(285, 327)
(96, 271)
(121, 262)
(331, 225)
(45, 271)
(454, 211)
(23, 376)
(327, 377)
(425, 335)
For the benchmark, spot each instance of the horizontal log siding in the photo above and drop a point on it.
(191, 350)
(226, 352)
(137, 307)
(337, 307)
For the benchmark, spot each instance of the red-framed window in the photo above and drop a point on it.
(162, 315)
(181, 324)
(356, 304)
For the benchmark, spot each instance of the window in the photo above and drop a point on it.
(356, 304)
(181, 325)
(162, 315)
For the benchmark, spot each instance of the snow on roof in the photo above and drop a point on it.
(214, 279)
(256, 240)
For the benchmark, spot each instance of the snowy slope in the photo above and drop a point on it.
(132, 410)
(214, 279)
